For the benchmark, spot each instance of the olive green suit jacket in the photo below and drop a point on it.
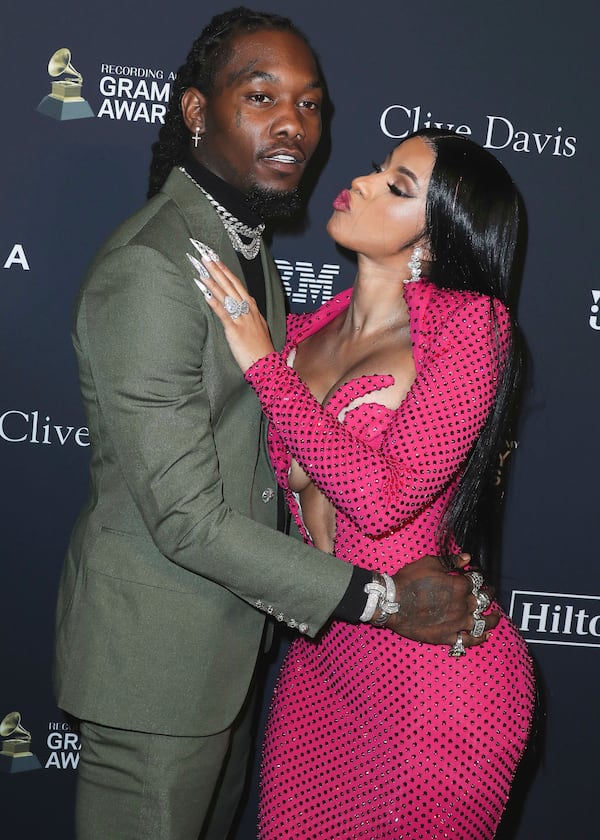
(174, 556)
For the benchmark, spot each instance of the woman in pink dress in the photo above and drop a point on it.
(387, 408)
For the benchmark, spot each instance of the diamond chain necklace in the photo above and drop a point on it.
(233, 226)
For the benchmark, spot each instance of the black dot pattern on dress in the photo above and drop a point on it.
(371, 735)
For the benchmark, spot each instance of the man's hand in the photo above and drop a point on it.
(435, 605)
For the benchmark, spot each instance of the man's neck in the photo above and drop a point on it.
(230, 197)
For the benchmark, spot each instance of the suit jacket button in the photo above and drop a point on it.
(268, 494)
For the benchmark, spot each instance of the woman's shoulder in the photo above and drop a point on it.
(443, 317)
(441, 303)
(300, 326)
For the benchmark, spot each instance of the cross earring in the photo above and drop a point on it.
(197, 137)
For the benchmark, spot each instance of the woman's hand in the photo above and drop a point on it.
(245, 328)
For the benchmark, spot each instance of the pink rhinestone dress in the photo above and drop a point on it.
(371, 735)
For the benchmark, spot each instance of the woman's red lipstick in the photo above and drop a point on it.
(342, 201)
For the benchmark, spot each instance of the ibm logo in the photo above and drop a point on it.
(553, 618)
(303, 285)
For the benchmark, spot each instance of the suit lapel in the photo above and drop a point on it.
(275, 298)
(204, 224)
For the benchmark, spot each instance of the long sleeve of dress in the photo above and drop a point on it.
(430, 435)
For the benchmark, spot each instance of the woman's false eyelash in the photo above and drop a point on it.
(396, 190)
(393, 188)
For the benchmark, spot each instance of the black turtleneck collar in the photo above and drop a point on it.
(230, 197)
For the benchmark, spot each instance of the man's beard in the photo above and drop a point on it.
(274, 204)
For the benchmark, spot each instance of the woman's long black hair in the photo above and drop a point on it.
(209, 53)
(473, 224)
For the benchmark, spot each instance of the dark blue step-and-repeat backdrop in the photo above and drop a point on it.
(521, 78)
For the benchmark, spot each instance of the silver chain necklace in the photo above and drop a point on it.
(233, 226)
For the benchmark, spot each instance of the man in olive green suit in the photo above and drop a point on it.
(175, 558)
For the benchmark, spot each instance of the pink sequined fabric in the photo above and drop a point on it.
(371, 735)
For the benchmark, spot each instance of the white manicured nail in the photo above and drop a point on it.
(205, 251)
(202, 271)
(206, 292)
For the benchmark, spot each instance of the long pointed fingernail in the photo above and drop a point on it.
(202, 271)
(206, 292)
(205, 251)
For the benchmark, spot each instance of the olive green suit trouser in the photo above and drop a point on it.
(141, 786)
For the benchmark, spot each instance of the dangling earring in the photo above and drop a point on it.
(197, 137)
(415, 266)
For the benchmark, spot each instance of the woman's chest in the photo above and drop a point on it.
(345, 374)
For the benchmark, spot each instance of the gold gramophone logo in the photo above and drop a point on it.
(16, 755)
(65, 101)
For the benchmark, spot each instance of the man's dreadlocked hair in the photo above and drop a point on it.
(208, 55)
